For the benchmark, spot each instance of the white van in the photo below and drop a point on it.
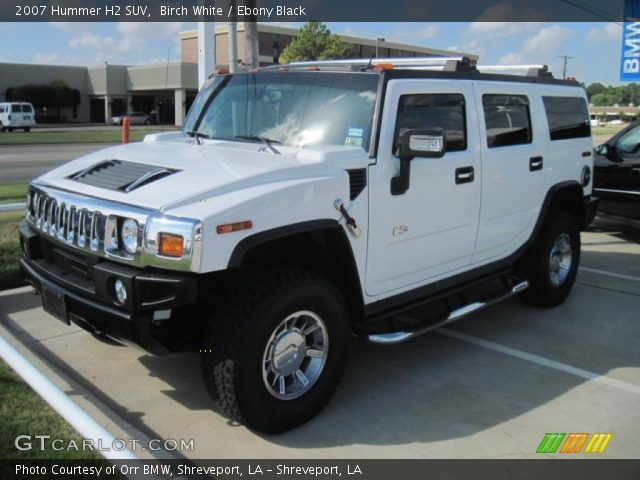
(17, 115)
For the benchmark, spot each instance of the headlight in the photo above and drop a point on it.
(129, 235)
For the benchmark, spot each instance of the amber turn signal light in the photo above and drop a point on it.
(234, 227)
(170, 245)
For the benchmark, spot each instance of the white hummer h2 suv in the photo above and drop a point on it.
(306, 203)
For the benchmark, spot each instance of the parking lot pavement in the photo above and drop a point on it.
(489, 386)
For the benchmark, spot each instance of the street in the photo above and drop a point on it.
(22, 163)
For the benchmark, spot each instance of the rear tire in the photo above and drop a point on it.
(289, 324)
(552, 262)
(27, 129)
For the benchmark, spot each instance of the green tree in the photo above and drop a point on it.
(595, 88)
(600, 100)
(316, 42)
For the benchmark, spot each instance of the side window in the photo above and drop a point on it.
(568, 117)
(507, 119)
(629, 143)
(1, 108)
(446, 111)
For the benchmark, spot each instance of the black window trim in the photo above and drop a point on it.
(528, 118)
(464, 114)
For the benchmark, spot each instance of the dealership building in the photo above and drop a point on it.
(167, 90)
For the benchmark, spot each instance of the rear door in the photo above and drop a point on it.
(16, 114)
(27, 113)
(430, 230)
(513, 166)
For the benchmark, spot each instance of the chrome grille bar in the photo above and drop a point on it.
(82, 228)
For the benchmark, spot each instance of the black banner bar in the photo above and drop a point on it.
(305, 10)
(541, 469)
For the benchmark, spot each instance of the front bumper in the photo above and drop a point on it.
(147, 318)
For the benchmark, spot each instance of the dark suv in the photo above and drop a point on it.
(617, 173)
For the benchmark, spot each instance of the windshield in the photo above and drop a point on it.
(291, 108)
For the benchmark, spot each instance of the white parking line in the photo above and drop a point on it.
(545, 362)
(610, 274)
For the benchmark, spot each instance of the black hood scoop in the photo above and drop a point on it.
(120, 175)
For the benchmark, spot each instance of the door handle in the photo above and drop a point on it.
(535, 163)
(464, 175)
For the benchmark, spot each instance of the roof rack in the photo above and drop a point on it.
(446, 64)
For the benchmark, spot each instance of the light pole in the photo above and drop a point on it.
(378, 40)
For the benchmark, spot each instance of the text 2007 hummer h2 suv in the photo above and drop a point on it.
(302, 204)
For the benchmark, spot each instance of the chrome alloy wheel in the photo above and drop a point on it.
(560, 260)
(295, 355)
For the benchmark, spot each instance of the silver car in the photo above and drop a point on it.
(135, 118)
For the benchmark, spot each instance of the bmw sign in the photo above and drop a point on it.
(630, 59)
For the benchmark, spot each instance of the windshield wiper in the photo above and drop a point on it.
(256, 138)
(198, 136)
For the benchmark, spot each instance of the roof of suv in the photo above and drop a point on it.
(432, 67)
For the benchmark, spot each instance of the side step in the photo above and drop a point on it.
(457, 314)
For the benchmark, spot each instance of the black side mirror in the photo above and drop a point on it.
(612, 154)
(411, 143)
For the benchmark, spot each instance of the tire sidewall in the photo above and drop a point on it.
(260, 407)
(549, 293)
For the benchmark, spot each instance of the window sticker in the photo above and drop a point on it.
(355, 141)
(355, 132)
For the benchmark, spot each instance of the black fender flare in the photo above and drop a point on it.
(248, 243)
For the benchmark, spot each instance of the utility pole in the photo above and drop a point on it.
(564, 67)
(206, 51)
(251, 54)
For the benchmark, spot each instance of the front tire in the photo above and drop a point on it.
(278, 348)
(552, 262)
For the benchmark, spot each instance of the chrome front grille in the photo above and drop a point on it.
(68, 223)
(93, 226)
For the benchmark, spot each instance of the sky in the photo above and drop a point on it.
(595, 47)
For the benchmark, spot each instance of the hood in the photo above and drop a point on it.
(195, 169)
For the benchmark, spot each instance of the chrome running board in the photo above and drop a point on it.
(457, 314)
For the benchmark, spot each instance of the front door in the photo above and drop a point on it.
(430, 230)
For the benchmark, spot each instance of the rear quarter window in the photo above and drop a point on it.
(568, 117)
